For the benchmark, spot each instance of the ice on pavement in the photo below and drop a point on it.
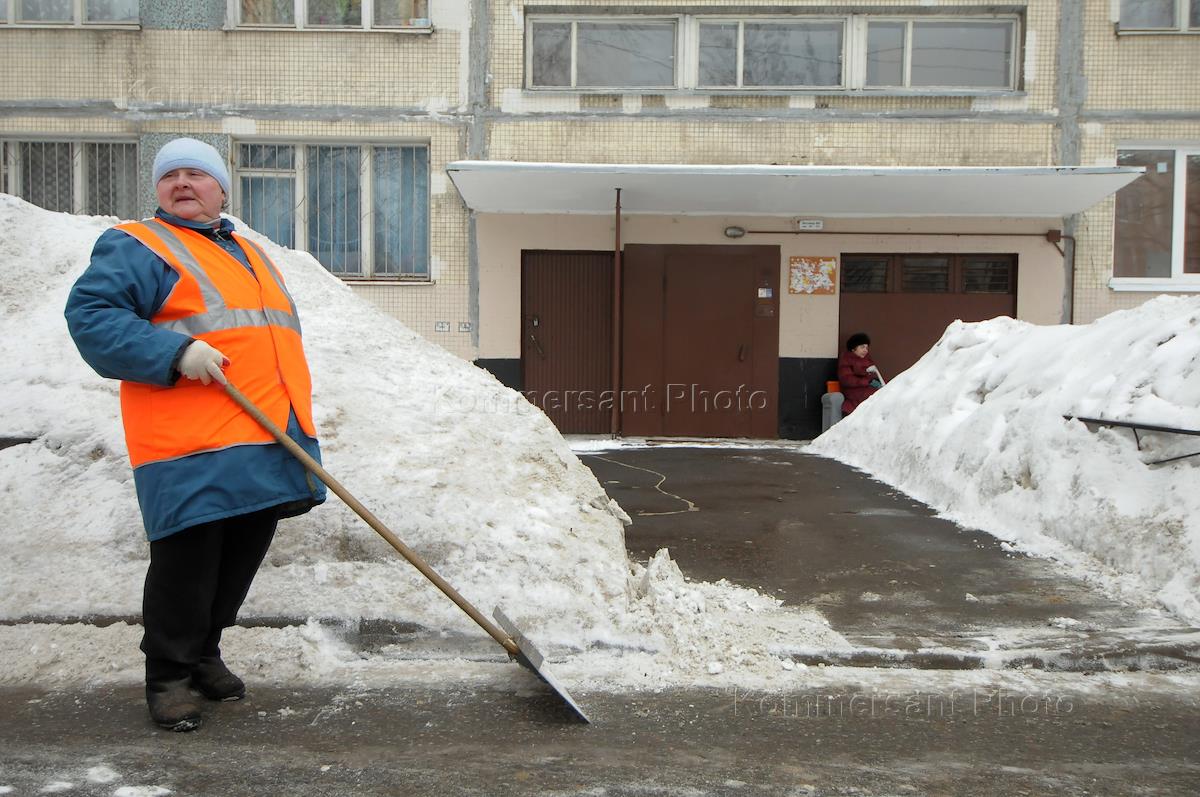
(462, 469)
(975, 429)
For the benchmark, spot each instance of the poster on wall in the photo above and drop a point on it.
(812, 275)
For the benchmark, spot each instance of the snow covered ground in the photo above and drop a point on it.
(461, 468)
(975, 429)
(483, 486)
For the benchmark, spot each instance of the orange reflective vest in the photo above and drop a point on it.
(251, 319)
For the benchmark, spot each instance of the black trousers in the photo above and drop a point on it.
(195, 585)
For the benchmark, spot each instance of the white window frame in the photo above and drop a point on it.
(854, 53)
(675, 19)
(1182, 9)
(300, 12)
(78, 19)
(1178, 281)
(861, 43)
(366, 170)
(10, 172)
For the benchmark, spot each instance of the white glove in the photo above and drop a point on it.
(203, 362)
(873, 369)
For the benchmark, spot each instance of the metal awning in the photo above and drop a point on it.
(845, 191)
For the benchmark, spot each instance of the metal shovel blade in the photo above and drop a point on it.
(532, 659)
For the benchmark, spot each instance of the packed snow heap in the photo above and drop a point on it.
(462, 469)
(976, 429)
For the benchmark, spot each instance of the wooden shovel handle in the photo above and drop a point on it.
(408, 553)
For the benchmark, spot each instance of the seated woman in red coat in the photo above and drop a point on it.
(857, 373)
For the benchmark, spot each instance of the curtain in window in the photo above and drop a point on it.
(110, 177)
(399, 193)
(268, 207)
(333, 199)
(47, 175)
(335, 13)
(46, 11)
(112, 10)
(1147, 13)
(268, 12)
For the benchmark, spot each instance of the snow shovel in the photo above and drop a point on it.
(511, 639)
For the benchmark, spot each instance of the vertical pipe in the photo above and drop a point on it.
(615, 426)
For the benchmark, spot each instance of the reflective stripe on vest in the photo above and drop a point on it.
(250, 317)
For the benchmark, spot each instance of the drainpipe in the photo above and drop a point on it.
(615, 426)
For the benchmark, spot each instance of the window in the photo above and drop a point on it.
(771, 54)
(1160, 15)
(361, 211)
(1156, 235)
(932, 53)
(938, 54)
(69, 12)
(929, 273)
(603, 54)
(334, 14)
(94, 178)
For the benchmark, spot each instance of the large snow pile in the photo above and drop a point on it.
(461, 468)
(976, 430)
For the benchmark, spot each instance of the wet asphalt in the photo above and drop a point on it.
(883, 569)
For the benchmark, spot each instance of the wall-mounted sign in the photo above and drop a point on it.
(812, 275)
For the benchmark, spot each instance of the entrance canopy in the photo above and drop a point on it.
(845, 191)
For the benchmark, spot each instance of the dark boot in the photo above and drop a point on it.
(172, 705)
(213, 679)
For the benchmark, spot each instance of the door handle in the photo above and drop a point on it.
(742, 353)
(534, 323)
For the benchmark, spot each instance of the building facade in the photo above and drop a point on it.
(788, 173)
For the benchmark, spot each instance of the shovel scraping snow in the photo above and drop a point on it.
(511, 639)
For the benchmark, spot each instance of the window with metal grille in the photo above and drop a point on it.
(985, 274)
(361, 210)
(925, 274)
(94, 178)
(929, 273)
(864, 274)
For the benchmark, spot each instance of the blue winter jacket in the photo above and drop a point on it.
(108, 315)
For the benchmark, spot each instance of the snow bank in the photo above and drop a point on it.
(975, 429)
(462, 469)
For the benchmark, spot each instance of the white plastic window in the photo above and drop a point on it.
(1156, 231)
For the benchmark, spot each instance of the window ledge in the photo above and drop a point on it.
(1189, 284)
(134, 26)
(407, 31)
(1159, 32)
(377, 281)
(773, 92)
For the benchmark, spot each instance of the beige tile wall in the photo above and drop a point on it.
(1137, 71)
(151, 68)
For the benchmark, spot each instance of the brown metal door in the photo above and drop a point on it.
(906, 301)
(701, 332)
(566, 337)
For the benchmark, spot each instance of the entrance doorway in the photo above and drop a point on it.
(700, 341)
(566, 337)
